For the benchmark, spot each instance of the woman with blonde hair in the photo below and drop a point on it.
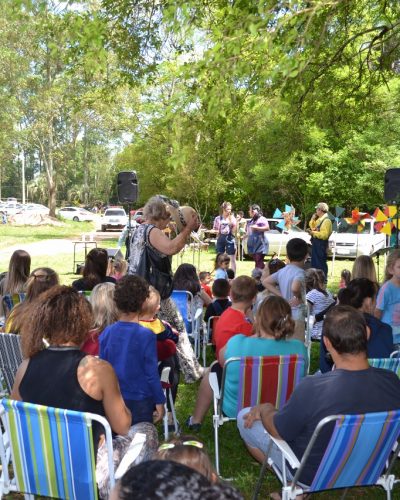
(105, 313)
(40, 280)
(364, 267)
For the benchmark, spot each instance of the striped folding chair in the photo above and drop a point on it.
(10, 358)
(262, 379)
(356, 455)
(51, 451)
(9, 301)
(392, 364)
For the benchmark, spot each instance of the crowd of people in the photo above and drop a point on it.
(106, 339)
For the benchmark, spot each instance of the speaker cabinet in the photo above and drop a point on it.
(392, 186)
(128, 187)
(114, 254)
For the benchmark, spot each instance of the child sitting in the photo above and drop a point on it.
(319, 299)
(220, 289)
(167, 338)
(188, 450)
(388, 301)
(131, 350)
(345, 278)
(118, 268)
(205, 279)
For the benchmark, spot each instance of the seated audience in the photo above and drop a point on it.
(353, 387)
(40, 280)
(220, 289)
(169, 480)
(205, 280)
(273, 327)
(131, 350)
(273, 266)
(361, 294)
(188, 450)
(15, 279)
(364, 267)
(105, 313)
(94, 271)
(233, 320)
(185, 278)
(118, 268)
(318, 298)
(63, 376)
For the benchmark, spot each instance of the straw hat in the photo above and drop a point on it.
(180, 214)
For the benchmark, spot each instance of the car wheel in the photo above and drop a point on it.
(75, 219)
(104, 228)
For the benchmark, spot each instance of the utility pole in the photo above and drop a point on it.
(22, 156)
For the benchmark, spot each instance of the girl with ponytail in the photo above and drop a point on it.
(273, 328)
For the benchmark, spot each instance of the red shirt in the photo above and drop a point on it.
(207, 289)
(230, 323)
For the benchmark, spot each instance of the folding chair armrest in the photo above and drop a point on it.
(213, 380)
(198, 313)
(287, 452)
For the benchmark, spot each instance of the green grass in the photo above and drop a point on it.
(235, 461)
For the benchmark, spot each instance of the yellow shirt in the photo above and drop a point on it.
(325, 227)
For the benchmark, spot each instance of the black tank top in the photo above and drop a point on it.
(51, 379)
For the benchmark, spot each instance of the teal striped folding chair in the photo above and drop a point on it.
(9, 301)
(357, 454)
(10, 358)
(262, 379)
(392, 364)
(51, 451)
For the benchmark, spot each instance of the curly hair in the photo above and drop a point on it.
(186, 278)
(95, 269)
(130, 293)
(59, 315)
(274, 317)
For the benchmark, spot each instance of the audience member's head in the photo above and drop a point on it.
(104, 309)
(95, 269)
(205, 277)
(188, 450)
(345, 275)
(315, 280)
(18, 272)
(60, 315)
(346, 330)
(296, 250)
(230, 273)
(186, 278)
(222, 261)
(151, 305)
(221, 288)
(243, 289)
(40, 280)
(364, 267)
(169, 480)
(360, 293)
(130, 293)
(275, 264)
(274, 318)
(390, 262)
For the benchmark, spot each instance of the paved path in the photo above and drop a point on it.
(44, 247)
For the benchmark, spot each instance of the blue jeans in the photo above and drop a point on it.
(142, 410)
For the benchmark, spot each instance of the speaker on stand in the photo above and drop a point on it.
(392, 194)
(128, 192)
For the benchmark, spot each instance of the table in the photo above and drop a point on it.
(86, 244)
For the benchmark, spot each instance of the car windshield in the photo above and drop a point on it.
(114, 213)
(345, 227)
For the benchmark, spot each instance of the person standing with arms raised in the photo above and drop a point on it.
(320, 230)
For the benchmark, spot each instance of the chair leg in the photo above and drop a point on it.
(344, 494)
(260, 478)
(174, 419)
(216, 444)
(165, 422)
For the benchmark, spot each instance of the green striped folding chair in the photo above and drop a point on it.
(51, 451)
(392, 364)
(262, 379)
(357, 454)
(10, 358)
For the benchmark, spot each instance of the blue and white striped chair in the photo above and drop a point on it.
(392, 364)
(51, 451)
(356, 455)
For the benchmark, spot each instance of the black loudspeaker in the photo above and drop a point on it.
(114, 254)
(128, 187)
(392, 186)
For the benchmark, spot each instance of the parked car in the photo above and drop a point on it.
(114, 218)
(137, 215)
(75, 214)
(35, 208)
(348, 242)
(278, 238)
(11, 208)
